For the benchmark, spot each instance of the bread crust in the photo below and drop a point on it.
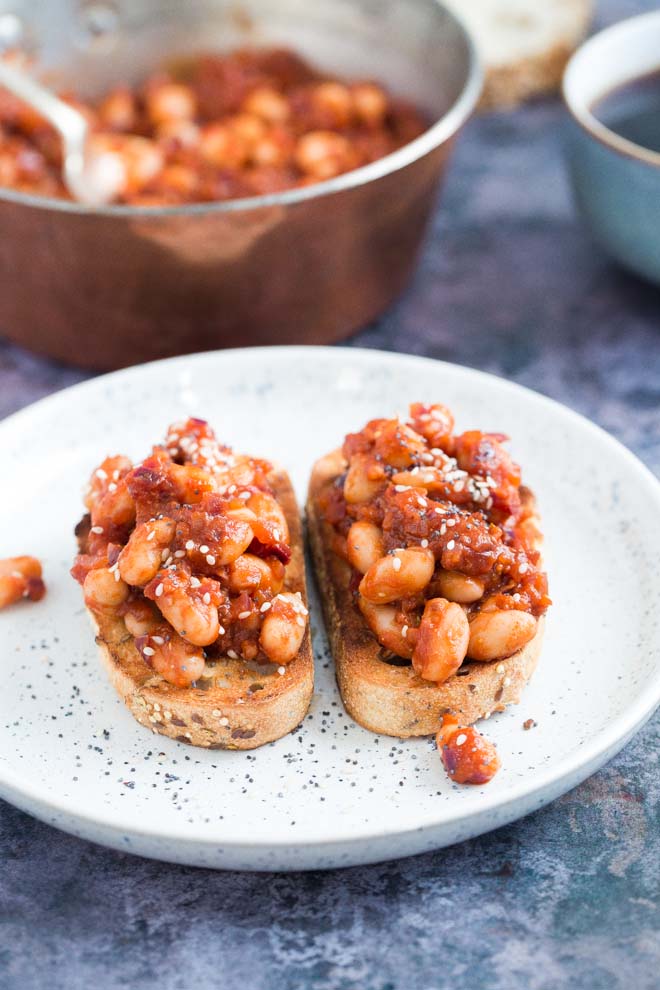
(245, 704)
(388, 699)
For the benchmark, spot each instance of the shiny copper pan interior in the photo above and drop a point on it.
(103, 288)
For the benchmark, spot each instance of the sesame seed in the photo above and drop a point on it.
(159, 590)
(158, 640)
(117, 576)
(216, 713)
(451, 544)
(148, 651)
(401, 488)
(179, 554)
(265, 607)
(523, 568)
(424, 544)
(203, 548)
(500, 668)
(404, 631)
(195, 582)
(210, 559)
(164, 554)
(421, 502)
(281, 671)
(190, 545)
(461, 739)
(151, 536)
(507, 681)
(221, 630)
(451, 522)
(301, 621)
(97, 529)
(244, 615)
(396, 563)
(224, 720)
(167, 714)
(459, 486)
(100, 473)
(112, 487)
(244, 496)
(207, 598)
(439, 512)
(277, 535)
(233, 654)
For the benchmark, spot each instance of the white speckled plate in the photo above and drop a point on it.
(330, 794)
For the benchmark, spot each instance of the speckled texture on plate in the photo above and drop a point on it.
(566, 898)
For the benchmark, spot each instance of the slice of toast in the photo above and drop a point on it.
(389, 697)
(242, 705)
(524, 44)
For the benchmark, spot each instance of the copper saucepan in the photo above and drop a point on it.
(113, 286)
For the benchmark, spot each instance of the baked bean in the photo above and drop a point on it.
(459, 587)
(335, 102)
(249, 573)
(388, 630)
(170, 101)
(118, 110)
(283, 628)
(359, 485)
(184, 607)
(102, 591)
(323, 154)
(271, 525)
(141, 558)
(442, 641)
(397, 575)
(178, 662)
(467, 756)
(267, 103)
(20, 577)
(499, 633)
(180, 133)
(140, 617)
(223, 146)
(369, 103)
(364, 545)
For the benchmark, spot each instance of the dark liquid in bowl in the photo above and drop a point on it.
(633, 111)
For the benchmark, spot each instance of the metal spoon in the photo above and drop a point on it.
(91, 178)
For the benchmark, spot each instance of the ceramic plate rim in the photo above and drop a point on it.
(591, 755)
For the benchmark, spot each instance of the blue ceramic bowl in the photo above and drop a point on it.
(616, 182)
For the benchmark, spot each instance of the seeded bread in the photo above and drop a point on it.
(389, 697)
(525, 44)
(242, 705)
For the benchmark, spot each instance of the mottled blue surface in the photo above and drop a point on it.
(568, 897)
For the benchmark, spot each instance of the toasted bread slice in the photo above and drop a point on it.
(389, 697)
(524, 44)
(242, 705)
